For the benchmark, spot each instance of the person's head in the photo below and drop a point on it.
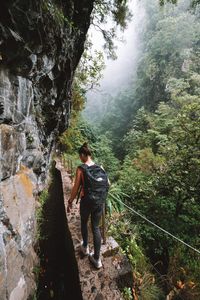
(84, 152)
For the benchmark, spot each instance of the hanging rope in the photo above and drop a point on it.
(160, 228)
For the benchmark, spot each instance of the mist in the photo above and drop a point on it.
(118, 73)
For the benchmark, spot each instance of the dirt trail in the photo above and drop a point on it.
(95, 284)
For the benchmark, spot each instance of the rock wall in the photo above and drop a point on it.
(41, 42)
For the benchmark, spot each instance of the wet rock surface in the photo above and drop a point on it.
(96, 284)
(41, 43)
(17, 235)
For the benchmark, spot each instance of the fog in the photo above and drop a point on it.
(118, 73)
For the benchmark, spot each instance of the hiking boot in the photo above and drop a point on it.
(96, 262)
(84, 250)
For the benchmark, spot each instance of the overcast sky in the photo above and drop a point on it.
(119, 71)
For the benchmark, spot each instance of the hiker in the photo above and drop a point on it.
(93, 182)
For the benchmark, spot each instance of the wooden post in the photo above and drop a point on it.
(68, 164)
(71, 167)
(104, 225)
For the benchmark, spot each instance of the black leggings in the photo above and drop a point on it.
(87, 208)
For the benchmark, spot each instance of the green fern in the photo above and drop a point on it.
(114, 199)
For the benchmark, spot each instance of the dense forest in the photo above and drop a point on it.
(148, 140)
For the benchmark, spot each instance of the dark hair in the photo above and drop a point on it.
(84, 149)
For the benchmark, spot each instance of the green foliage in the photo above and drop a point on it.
(154, 126)
(170, 50)
(104, 156)
(89, 70)
(116, 10)
(186, 276)
(161, 164)
(86, 77)
(125, 233)
(162, 180)
(117, 120)
(56, 13)
(127, 293)
(144, 282)
(42, 200)
(150, 291)
(194, 3)
(81, 132)
(39, 213)
(164, 185)
(78, 133)
(33, 297)
(70, 162)
(162, 2)
(36, 272)
(113, 201)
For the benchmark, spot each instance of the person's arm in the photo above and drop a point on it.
(75, 188)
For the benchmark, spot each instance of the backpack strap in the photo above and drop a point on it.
(81, 188)
(84, 168)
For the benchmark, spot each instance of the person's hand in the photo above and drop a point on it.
(69, 206)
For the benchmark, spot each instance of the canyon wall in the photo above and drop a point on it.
(41, 43)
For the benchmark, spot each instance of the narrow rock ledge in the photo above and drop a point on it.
(103, 284)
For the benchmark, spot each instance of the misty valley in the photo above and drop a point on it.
(100, 150)
(143, 123)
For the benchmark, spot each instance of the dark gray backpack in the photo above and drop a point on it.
(95, 183)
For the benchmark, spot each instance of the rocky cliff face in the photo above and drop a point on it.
(41, 42)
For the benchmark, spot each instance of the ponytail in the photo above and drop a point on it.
(84, 149)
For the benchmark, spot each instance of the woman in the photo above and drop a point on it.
(87, 208)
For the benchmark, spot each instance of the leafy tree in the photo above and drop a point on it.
(170, 50)
(104, 11)
(86, 77)
(78, 133)
(154, 126)
(89, 70)
(103, 154)
(163, 182)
